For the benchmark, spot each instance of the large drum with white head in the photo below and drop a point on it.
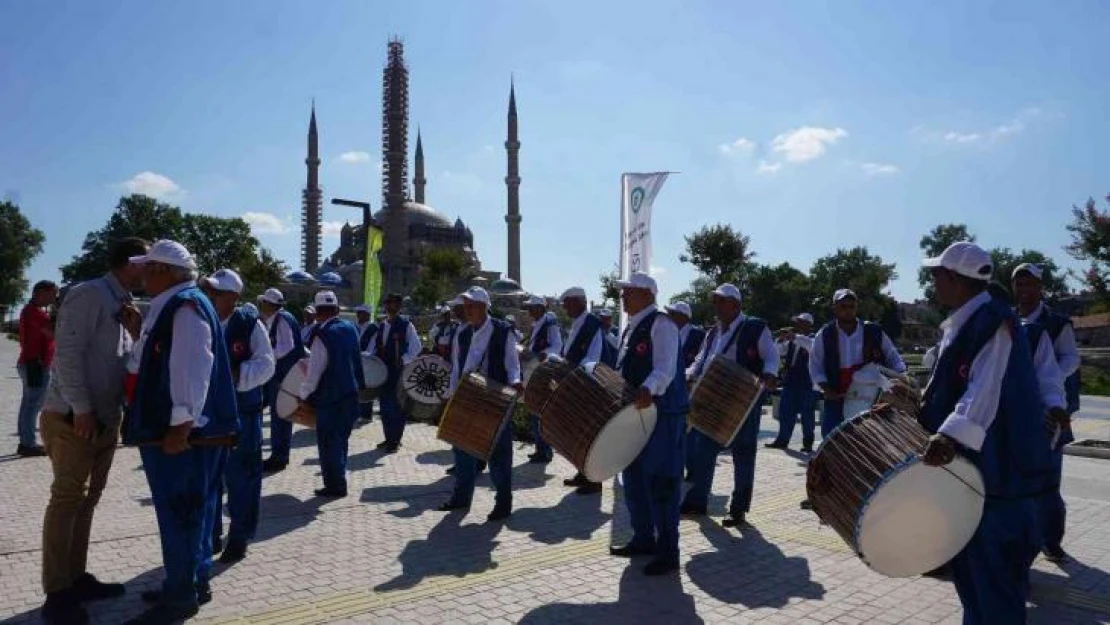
(722, 400)
(528, 362)
(422, 386)
(901, 516)
(374, 375)
(288, 396)
(476, 415)
(867, 383)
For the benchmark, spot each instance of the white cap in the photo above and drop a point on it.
(476, 294)
(573, 292)
(729, 291)
(456, 302)
(535, 300)
(273, 296)
(966, 259)
(310, 309)
(639, 280)
(604, 313)
(510, 318)
(168, 253)
(326, 298)
(225, 280)
(681, 308)
(843, 294)
(251, 307)
(806, 317)
(1028, 268)
(362, 308)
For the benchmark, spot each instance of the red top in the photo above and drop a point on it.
(36, 337)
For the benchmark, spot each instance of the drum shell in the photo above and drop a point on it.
(543, 384)
(424, 380)
(288, 397)
(722, 400)
(418, 411)
(476, 415)
(528, 362)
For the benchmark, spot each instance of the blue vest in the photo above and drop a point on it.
(343, 376)
(368, 334)
(577, 350)
(240, 327)
(1053, 322)
(872, 349)
(638, 363)
(494, 358)
(746, 340)
(540, 332)
(392, 348)
(797, 368)
(150, 413)
(286, 362)
(692, 345)
(1015, 457)
(609, 353)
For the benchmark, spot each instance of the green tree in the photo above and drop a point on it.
(720, 253)
(441, 270)
(216, 242)
(932, 244)
(20, 243)
(778, 292)
(259, 272)
(1090, 241)
(135, 216)
(700, 298)
(610, 292)
(857, 269)
(1052, 279)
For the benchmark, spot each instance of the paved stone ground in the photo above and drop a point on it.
(384, 555)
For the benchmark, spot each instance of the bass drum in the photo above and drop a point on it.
(374, 375)
(288, 396)
(422, 385)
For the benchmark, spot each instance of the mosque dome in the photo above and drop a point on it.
(330, 278)
(421, 214)
(505, 285)
(299, 276)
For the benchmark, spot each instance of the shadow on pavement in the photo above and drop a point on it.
(282, 513)
(575, 517)
(641, 600)
(419, 498)
(451, 549)
(442, 457)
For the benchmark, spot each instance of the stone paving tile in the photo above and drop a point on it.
(383, 555)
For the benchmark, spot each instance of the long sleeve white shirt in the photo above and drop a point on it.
(1065, 348)
(317, 364)
(850, 347)
(684, 333)
(766, 346)
(283, 342)
(975, 411)
(414, 346)
(191, 358)
(664, 349)
(801, 340)
(929, 360)
(554, 336)
(593, 352)
(1050, 379)
(259, 368)
(479, 344)
(306, 333)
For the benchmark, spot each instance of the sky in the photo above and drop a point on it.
(809, 126)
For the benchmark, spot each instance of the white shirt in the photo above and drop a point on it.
(317, 365)
(260, 367)
(664, 349)
(1067, 352)
(479, 343)
(684, 333)
(611, 338)
(191, 357)
(1050, 380)
(412, 338)
(765, 345)
(554, 337)
(593, 352)
(975, 411)
(283, 343)
(801, 340)
(850, 347)
(929, 360)
(306, 333)
(362, 328)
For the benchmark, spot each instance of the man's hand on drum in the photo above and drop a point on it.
(940, 451)
(519, 386)
(829, 394)
(301, 412)
(1057, 418)
(770, 381)
(643, 398)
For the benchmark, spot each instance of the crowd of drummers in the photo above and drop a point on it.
(655, 401)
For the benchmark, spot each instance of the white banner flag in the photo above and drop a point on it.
(638, 193)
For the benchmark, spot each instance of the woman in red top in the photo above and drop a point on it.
(36, 352)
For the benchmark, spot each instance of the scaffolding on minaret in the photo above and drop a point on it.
(395, 127)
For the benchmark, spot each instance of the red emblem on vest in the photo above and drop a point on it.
(642, 348)
(238, 348)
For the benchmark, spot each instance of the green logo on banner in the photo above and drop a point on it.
(637, 199)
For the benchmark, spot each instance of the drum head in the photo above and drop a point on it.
(920, 518)
(374, 371)
(621, 439)
(288, 397)
(425, 379)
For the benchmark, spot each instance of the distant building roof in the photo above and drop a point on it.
(505, 285)
(419, 214)
(1100, 320)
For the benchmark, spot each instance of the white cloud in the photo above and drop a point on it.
(806, 143)
(768, 168)
(657, 272)
(743, 146)
(1015, 126)
(962, 137)
(354, 157)
(331, 228)
(267, 223)
(152, 184)
(879, 169)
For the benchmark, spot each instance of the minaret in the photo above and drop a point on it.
(311, 201)
(418, 180)
(395, 132)
(512, 183)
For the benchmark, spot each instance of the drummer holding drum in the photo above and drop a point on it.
(546, 339)
(367, 331)
(583, 346)
(397, 343)
(287, 340)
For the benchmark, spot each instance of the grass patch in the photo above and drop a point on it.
(1094, 381)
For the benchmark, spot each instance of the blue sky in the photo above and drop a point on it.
(807, 125)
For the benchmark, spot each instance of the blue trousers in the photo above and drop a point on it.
(29, 406)
(542, 448)
(183, 487)
(1052, 510)
(795, 403)
(500, 472)
(243, 483)
(831, 416)
(366, 410)
(281, 431)
(333, 433)
(743, 448)
(688, 451)
(393, 421)
(653, 487)
(991, 574)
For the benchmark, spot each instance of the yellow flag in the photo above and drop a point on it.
(372, 271)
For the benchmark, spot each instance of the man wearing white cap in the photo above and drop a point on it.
(397, 344)
(798, 399)
(1044, 325)
(442, 334)
(546, 339)
(252, 365)
(367, 331)
(690, 338)
(612, 338)
(842, 347)
(308, 323)
(485, 345)
(184, 392)
(331, 387)
(983, 402)
(649, 361)
(511, 320)
(583, 346)
(748, 342)
(288, 342)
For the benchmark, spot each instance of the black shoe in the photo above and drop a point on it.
(481, 466)
(63, 608)
(162, 613)
(808, 449)
(589, 488)
(660, 567)
(499, 513)
(578, 480)
(451, 504)
(692, 510)
(776, 445)
(34, 451)
(942, 572)
(204, 595)
(391, 448)
(234, 553)
(630, 551)
(1055, 554)
(88, 588)
(450, 470)
(806, 504)
(273, 465)
(382, 445)
(534, 459)
(217, 545)
(331, 493)
(734, 519)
